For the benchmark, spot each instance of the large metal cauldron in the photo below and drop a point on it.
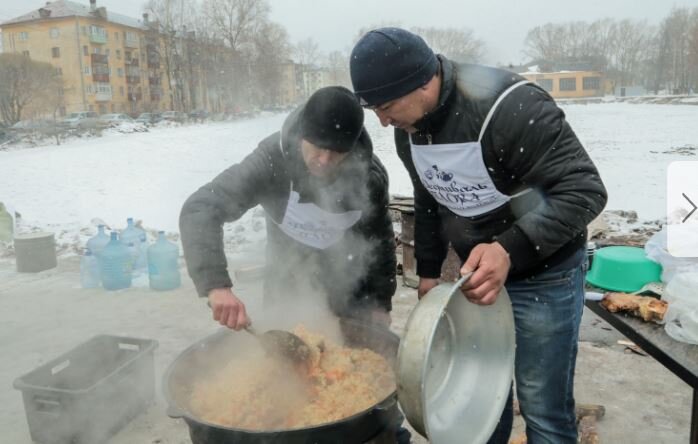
(211, 353)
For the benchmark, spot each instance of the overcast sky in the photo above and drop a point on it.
(502, 24)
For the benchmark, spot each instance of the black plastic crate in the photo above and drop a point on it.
(86, 395)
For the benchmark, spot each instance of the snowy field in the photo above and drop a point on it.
(149, 175)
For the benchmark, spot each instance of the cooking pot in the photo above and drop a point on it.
(211, 353)
(455, 365)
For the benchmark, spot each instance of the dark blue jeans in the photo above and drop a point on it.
(547, 313)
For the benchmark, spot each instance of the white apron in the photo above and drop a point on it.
(456, 174)
(312, 226)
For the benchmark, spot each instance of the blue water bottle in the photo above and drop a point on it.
(97, 242)
(163, 266)
(115, 265)
(130, 234)
(89, 270)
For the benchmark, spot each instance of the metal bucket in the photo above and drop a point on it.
(455, 365)
(35, 252)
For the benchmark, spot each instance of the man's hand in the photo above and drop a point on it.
(426, 284)
(227, 309)
(490, 264)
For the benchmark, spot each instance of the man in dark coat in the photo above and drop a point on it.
(325, 197)
(499, 174)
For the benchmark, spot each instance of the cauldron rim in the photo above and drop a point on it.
(389, 403)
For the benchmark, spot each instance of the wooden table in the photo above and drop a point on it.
(679, 358)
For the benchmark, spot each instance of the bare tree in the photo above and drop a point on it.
(26, 84)
(337, 62)
(459, 45)
(236, 20)
(693, 49)
(307, 52)
(630, 50)
(271, 48)
(171, 18)
(546, 42)
(674, 50)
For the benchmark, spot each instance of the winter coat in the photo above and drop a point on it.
(356, 273)
(528, 144)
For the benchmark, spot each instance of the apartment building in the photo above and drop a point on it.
(108, 62)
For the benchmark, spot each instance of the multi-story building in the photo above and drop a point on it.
(108, 62)
(314, 78)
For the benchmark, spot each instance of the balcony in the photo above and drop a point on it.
(98, 37)
(101, 78)
(103, 96)
(135, 96)
(133, 80)
(133, 61)
(100, 59)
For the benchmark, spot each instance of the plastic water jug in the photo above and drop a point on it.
(6, 224)
(115, 265)
(97, 242)
(163, 266)
(141, 266)
(89, 270)
(131, 233)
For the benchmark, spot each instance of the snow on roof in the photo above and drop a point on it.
(64, 8)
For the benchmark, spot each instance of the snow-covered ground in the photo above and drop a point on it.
(149, 175)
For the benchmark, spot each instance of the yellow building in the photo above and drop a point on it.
(570, 84)
(108, 62)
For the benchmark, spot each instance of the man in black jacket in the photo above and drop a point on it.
(499, 174)
(325, 196)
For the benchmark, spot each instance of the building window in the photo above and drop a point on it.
(120, 72)
(59, 71)
(54, 33)
(118, 54)
(96, 50)
(98, 30)
(568, 84)
(23, 36)
(88, 89)
(591, 83)
(546, 84)
(25, 53)
(85, 51)
(87, 70)
(55, 52)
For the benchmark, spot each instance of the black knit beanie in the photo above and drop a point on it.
(389, 63)
(332, 119)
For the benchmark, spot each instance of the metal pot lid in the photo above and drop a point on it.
(455, 365)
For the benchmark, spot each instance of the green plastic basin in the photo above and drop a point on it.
(622, 269)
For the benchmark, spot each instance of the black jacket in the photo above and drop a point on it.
(527, 144)
(356, 273)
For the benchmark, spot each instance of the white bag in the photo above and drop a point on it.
(681, 317)
(681, 277)
(656, 249)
